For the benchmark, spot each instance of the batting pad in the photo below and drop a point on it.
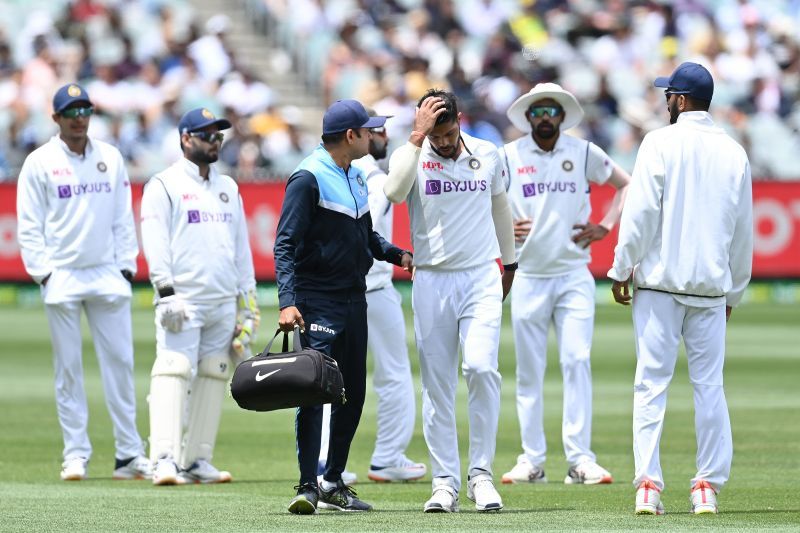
(205, 408)
(169, 383)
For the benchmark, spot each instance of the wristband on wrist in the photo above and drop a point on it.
(165, 291)
(511, 267)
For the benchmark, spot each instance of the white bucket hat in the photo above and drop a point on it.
(572, 109)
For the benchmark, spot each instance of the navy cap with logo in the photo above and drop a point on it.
(68, 95)
(345, 115)
(691, 79)
(201, 118)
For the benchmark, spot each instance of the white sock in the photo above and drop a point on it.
(327, 485)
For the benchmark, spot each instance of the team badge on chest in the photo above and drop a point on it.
(224, 197)
(474, 164)
(567, 165)
(102, 166)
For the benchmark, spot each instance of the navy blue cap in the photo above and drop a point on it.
(690, 79)
(345, 115)
(201, 118)
(68, 95)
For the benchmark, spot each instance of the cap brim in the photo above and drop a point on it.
(661, 81)
(73, 101)
(220, 123)
(375, 122)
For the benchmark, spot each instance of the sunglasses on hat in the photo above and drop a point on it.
(540, 110)
(75, 112)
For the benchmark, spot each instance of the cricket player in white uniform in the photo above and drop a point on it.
(459, 214)
(549, 176)
(194, 236)
(78, 241)
(391, 378)
(686, 247)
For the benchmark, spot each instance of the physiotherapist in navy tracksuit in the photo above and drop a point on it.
(324, 248)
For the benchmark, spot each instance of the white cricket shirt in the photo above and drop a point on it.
(194, 234)
(552, 189)
(687, 225)
(382, 212)
(450, 206)
(74, 213)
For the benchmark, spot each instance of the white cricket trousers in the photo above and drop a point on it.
(659, 321)
(109, 319)
(452, 310)
(568, 302)
(391, 376)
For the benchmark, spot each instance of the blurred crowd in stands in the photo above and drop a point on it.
(144, 62)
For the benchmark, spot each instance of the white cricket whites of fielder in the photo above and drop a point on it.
(76, 232)
(454, 206)
(549, 175)
(194, 236)
(686, 243)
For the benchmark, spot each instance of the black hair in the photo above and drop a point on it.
(698, 105)
(450, 105)
(339, 136)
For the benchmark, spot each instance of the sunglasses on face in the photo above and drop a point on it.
(208, 136)
(378, 130)
(670, 92)
(540, 111)
(75, 112)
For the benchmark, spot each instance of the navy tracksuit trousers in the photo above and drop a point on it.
(338, 329)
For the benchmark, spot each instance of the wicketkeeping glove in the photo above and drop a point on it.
(171, 312)
(248, 318)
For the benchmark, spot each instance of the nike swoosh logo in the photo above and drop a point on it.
(260, 377)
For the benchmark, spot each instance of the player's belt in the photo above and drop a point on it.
(679, 293)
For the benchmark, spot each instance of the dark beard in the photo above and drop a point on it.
(200, 157)
(673, 112)
(545, 132)
(378, 152)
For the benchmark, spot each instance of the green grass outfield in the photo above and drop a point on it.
(762, 374)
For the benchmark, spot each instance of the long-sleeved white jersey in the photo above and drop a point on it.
(74, 213)
(687, 225)
(194, 234)
(382, 212)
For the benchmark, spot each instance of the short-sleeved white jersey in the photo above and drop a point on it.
(194, 234)
(382, 212)
(552, 189)
(450, 206)
(74, 211)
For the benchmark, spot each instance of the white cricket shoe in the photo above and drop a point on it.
(443, 500)
(201, 471)
(165, 472)
(406, 470)
(648, 499)
(703, 498)
(524, 472)
(480, 489)
(588, 473)
(135, 468)
(74, 469)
